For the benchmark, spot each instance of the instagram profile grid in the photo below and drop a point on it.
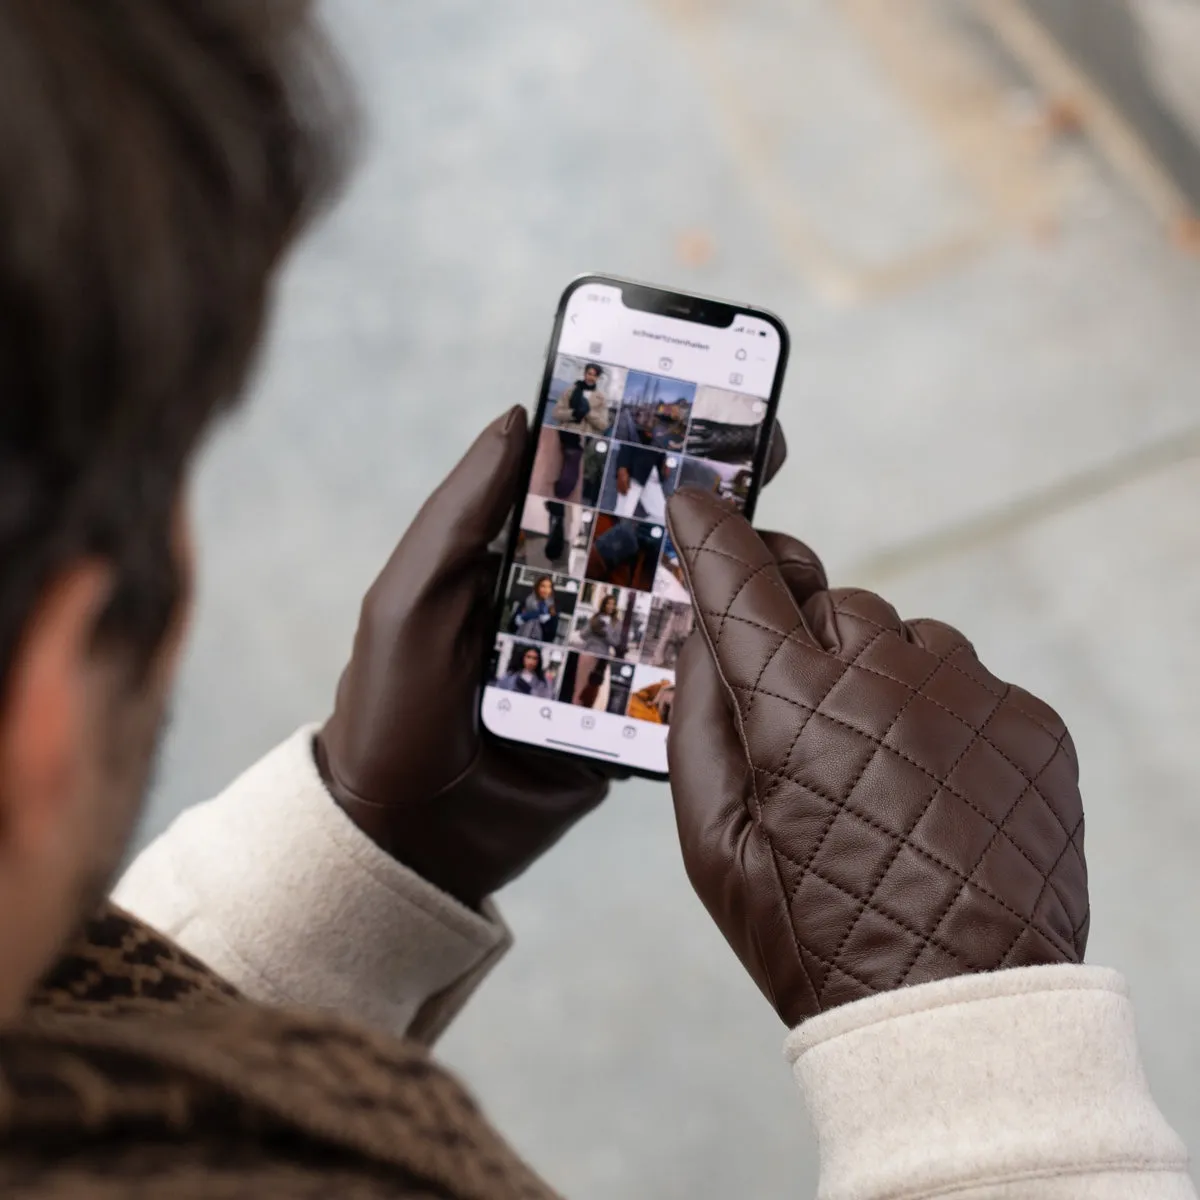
(595, 611)
(632, 612)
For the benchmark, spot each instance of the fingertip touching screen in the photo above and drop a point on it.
(594, 610)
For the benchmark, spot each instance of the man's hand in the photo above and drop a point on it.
(861, 804)
(402, 753)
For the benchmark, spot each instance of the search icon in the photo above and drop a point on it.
(545, 713)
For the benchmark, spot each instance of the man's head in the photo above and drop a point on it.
(155, 162)
(591, 374)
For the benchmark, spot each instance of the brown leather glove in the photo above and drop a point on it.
(862, 805)
(402, 753)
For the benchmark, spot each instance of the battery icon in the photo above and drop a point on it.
(762, 333)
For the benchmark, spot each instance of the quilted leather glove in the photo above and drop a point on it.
(402, 752)
(862, 805)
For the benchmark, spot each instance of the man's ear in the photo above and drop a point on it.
(45, 709)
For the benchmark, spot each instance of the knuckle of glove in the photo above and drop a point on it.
(924, 819)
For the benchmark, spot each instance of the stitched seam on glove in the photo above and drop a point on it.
(908, 832)
(758, 804)
(957, 793)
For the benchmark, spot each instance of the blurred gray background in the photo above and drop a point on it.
(993, 417)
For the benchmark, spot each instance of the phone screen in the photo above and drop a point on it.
(635, 403)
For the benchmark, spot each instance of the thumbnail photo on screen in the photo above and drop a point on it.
(554, 536)
(670, 625)
(525, 668)
(655, 411)
(669, 579)
(725, 426)
(726, 481)
(610, 622)
(539, 605)
(569, 467)
(624, 552)
(600, 684)
(638, 481)
(584, 396)
(652, 695)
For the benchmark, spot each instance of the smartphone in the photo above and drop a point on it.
(645, 390)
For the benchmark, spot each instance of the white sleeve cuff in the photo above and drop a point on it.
(274, 887)
(1024, 1082)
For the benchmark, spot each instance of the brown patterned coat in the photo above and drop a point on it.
(137, 1072)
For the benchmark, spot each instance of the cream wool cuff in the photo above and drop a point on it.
(271, 885)
(1022, 1083)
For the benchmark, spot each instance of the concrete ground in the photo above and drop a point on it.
(993, 419)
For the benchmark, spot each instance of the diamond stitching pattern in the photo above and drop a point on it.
(880, 745)
(933, 859)
(903, 840)
(768, 657)
(1005, 694)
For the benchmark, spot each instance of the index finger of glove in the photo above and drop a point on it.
(802, 570)
(765, 654)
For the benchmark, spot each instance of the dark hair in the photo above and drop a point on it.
(594, 367)
(610, 596)
(156, 159)
(537, 583)
(516, 664)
